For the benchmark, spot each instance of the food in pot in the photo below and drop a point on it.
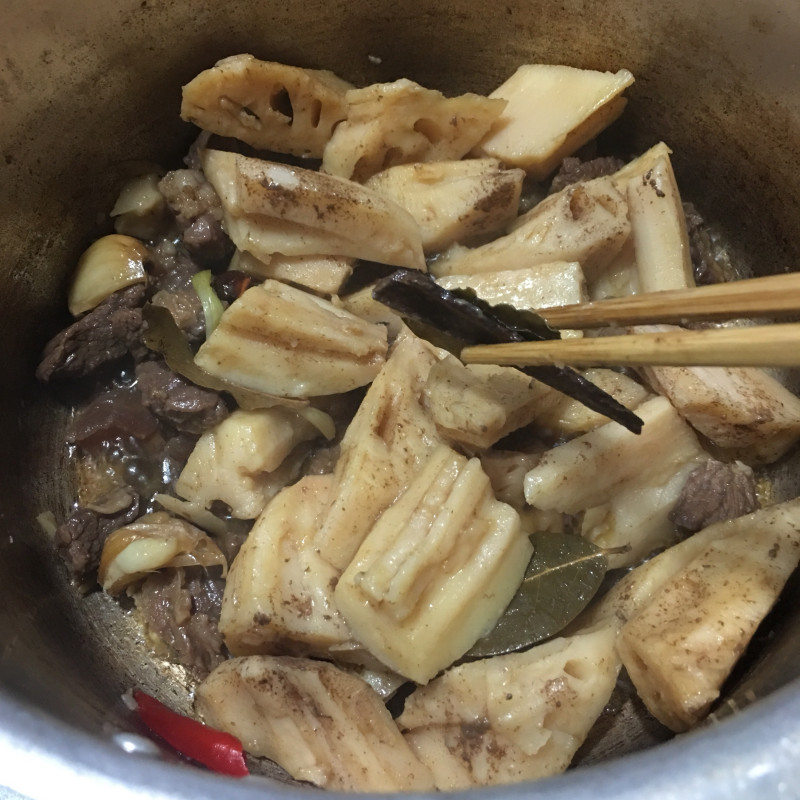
(322, 514)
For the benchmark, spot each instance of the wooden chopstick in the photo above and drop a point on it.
(754, 297)
(756, 346)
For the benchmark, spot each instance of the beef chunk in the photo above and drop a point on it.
(81, 538)
(715, 492)
(175, 454)
(100, 337)
(189, 195)
(188, 407)
(181, 608)
(186, 310)
(117, 412)
(573, 170)
(198, 212)
(206, 240)
(171, 267)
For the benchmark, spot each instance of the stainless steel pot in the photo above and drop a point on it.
(87, 87)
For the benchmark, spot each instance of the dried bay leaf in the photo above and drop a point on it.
(458, 312)
(464, 317)
(529, 325)
(562, 577)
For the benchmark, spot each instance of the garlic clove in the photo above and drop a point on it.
(111, 263)
(153, 542)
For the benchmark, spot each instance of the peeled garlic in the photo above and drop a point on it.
(110, 264)
(140, 209)
(153, 542)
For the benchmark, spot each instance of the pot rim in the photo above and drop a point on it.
(755, 753)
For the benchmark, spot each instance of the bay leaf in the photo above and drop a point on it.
(464, 317)
(562, 577)
(529, 325)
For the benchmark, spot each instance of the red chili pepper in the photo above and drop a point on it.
(214, 749)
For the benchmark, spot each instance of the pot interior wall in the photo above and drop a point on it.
(86, 89)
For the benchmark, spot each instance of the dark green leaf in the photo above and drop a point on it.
(416, 296)
(563, 575)
(529, 325)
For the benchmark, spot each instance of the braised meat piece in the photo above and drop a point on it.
(198, 213)
(186, 310)
(189, 195)
(81, 537)
(206, 240)
(115, 413)
(102, 336)
(169, 396)
(715, 492)
(171, 267)
(181, 608)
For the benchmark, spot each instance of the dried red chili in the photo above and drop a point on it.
(217, 750)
